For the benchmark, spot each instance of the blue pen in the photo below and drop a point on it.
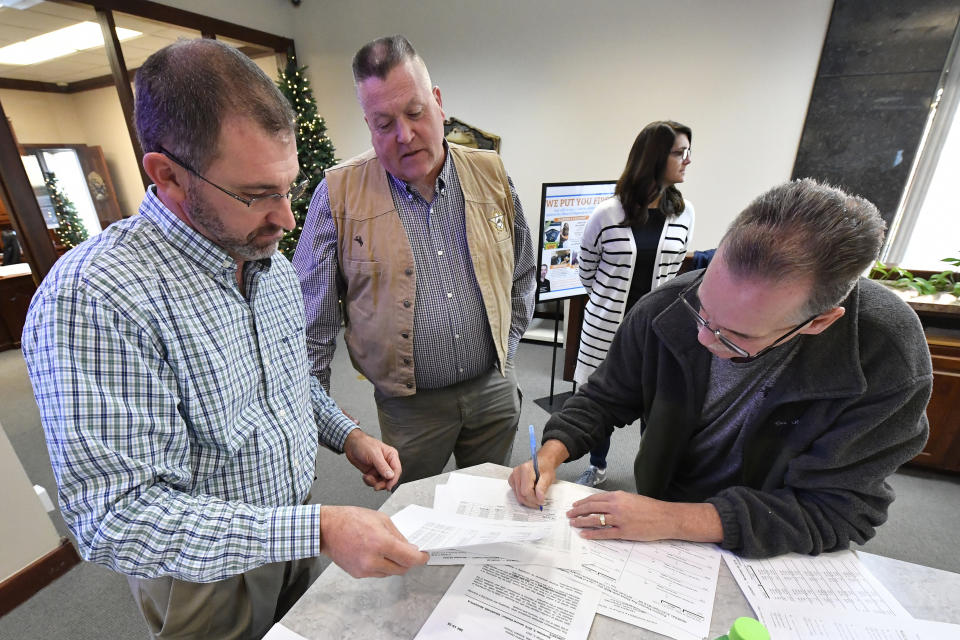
(533, 456)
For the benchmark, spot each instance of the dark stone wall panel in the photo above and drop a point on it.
(879, 70)
(884, 36)
(862, 133)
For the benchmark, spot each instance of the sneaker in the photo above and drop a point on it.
(593, 476)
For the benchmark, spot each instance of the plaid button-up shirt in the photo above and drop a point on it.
(452, 340)
(180, 416)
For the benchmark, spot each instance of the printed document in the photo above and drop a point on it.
(787, 621)
(494, 500)
(831, 581)
(525, 603)
(667, 586)
(430, 530)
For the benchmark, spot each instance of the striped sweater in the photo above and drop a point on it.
(607, 256)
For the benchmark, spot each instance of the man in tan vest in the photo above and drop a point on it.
(426, 246)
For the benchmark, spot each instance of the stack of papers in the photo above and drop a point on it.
(528, 574)
(552, 582)
(829, 596)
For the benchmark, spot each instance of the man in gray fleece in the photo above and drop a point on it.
(777, 388)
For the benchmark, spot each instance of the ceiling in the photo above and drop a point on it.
(17, 25)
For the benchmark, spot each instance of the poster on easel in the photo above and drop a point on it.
(564, 210)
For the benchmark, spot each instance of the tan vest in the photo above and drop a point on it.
(377, 264)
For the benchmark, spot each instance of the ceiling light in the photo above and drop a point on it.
(19, 4)
(62, 42)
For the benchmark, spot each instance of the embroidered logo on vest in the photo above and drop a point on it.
(496, 220)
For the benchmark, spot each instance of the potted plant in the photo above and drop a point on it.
(947, 281)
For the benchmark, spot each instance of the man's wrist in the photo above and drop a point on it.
(696, 522)
(552, 453)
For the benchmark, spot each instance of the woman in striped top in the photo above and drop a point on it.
(632, 243)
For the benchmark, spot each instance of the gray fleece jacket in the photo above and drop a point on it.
(845, 414)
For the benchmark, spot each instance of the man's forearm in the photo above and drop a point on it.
(552, 453)
(696, 522)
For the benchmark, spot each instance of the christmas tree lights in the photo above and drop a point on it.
(71, 231)
(314, 149)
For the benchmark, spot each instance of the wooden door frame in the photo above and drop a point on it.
(15, 189)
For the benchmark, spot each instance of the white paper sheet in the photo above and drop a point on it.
(280, 632)
(787, 621)
(667, 587)
(430, 530)
(493, 499)
(529, 603)
(831, 581)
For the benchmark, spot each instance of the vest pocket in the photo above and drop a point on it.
(362, 267)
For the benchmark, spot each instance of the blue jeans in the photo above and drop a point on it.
(598, 455)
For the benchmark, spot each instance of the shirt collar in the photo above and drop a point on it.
(442, 179)
(188, 241)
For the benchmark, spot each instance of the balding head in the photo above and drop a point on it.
(378, 58)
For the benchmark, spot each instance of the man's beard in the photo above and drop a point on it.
(251, 247)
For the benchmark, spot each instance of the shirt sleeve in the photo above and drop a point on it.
(590, 249)
(333, 426)
(524, 289)
(315, 261)
(121, 453)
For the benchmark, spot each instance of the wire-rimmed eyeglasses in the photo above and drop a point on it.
(742, 354)
(683, 154)
(295, 192)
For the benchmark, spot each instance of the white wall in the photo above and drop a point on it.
(25, 528)
(568, 84)
(100, 113)
(89, 117)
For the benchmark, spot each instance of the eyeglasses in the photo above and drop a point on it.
(295, 192)
(683, 154)
(742, 354)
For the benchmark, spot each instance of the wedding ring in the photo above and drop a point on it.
(603, 520)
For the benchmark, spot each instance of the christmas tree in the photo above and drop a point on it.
(71, 231)
(314, 148)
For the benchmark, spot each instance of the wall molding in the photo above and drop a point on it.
(22, 585)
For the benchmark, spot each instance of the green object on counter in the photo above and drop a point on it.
(746, 629)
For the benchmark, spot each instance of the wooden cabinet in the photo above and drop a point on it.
(943, 412)
(15, 294)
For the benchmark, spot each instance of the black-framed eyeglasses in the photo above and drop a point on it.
(295, 192)
(742, 354)
(683, 154)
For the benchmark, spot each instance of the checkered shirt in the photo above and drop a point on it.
(180, 416)
(452, 338)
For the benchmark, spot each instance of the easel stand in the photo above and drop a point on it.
(548, 403)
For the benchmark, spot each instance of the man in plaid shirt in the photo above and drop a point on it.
(168, 358)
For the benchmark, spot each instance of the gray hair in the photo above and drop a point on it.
(804, 229)
(186, 90)
(380, 57)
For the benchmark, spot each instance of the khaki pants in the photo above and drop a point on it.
(476, 421)
(240, 607)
